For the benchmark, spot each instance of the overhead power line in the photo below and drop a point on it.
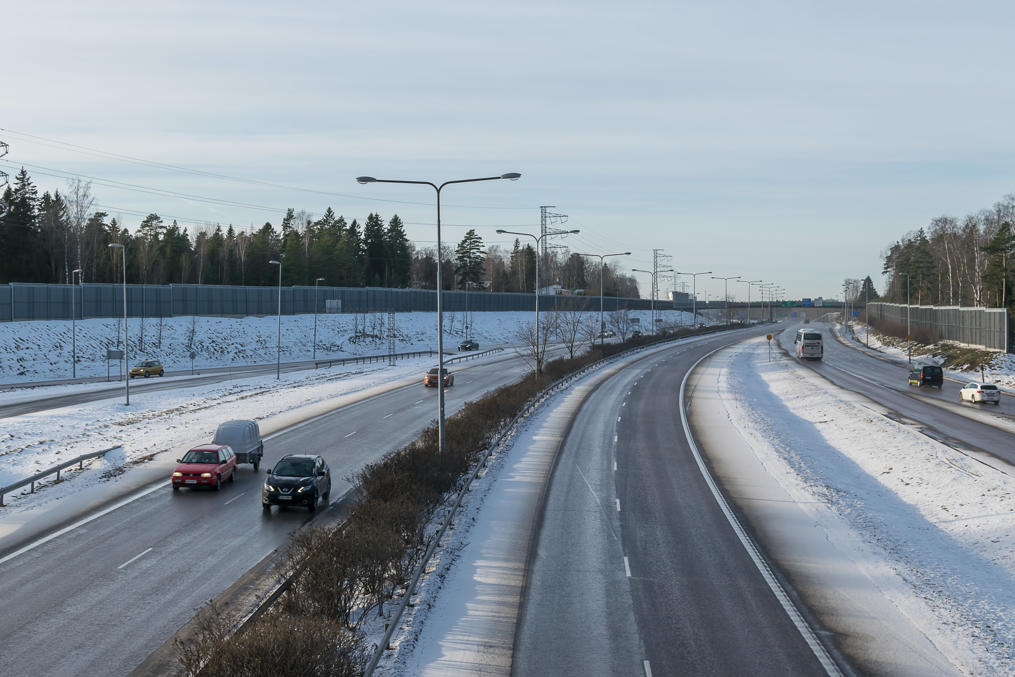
(200, 172)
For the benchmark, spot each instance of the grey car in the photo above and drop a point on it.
(245, 439)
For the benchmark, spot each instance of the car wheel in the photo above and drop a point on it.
(327, 497)
(146, 374)
(997, 403)
(218, 482)
(232, 475)
(266, 506)
(161, 374)
(176, 487)
(256, 464)
(313, 505)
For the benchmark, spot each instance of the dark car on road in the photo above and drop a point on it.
(926, 375)
(297, 479)
(468, 344)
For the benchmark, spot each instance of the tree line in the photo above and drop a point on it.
(956, 262)
(47, 238)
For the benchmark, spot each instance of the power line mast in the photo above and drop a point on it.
(3, 175)
(657, 258)
(548, 222)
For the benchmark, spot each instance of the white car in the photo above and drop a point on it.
(980, 392)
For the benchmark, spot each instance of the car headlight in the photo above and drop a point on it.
(302, 489)
(206, 474)
(269, 487)
(177, 474)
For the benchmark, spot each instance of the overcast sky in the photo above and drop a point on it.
(784, 141)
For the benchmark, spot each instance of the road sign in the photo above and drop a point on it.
(114, 354)
(769, 337)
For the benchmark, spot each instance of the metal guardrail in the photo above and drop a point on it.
(469, 356)
(370, 358)
(80, 460)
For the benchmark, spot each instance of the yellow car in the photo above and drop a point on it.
(146, 369)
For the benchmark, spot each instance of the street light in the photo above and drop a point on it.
(539, 364)
(652, 303)
(512, 176)
(694, 294)
(602, 275)
(73, 325)
(909, 332)
(726, 283)
(749, 283)
(126, 368)
(316, 289)
(278, 342)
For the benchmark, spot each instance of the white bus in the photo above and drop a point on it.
(809, 345)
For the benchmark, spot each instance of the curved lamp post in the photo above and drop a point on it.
(511, 176)
(316, 290)
(539, 364)
(749, 283)
(126, 366)
(278, 341)
(726, 287)
(652, 303)
(694, 294)
(602, 277)
(74, 324)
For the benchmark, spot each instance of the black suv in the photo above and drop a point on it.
(297, 479)
(926, 375)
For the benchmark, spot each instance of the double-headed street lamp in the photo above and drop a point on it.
(694, 294)
(316, 290)
(512, 176)
(278, 341)
(602, 276)
(539, 362)
(749, 283)
(126, 368)
(652, 303)
(73, 324)
(726, 283)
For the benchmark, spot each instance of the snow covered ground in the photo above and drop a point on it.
(943, 523)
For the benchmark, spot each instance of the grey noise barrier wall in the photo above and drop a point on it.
(20, 302)
(981, 327)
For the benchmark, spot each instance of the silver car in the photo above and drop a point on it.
(980, 392)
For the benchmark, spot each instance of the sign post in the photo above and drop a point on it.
(769, 338)
(113, 355)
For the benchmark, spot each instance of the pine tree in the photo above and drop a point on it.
(399, 253)
(374, 254)
(469, 258)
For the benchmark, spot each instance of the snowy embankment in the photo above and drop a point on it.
(943, 523)
(173, 420)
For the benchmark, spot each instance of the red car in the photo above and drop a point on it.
(206, 466)
(430, 378)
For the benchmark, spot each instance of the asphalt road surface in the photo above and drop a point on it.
(101, 597)
(636, 570)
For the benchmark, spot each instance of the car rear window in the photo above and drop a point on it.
(812, 337)
(986, 386)
(931, 371)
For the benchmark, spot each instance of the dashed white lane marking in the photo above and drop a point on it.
(135, 558)
(648, 668)
(618, 505)
(627, 567)
(618, 419)
(351, 434)
(614, 439)
(624, 404)
(233, 498)
(614, 466)
(389, 415)
(417, 401)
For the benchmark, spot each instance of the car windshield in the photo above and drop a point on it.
(290, 467)
(194, 456)
(931, 371)
(433, 372)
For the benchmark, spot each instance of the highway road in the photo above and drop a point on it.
(102, 596)
(635, 569)
(985, 432)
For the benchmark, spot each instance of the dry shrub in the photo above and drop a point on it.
(286, 644)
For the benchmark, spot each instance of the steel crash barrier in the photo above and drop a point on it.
(80, 461)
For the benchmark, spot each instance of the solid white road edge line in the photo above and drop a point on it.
(794, 614)
(135, 558)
